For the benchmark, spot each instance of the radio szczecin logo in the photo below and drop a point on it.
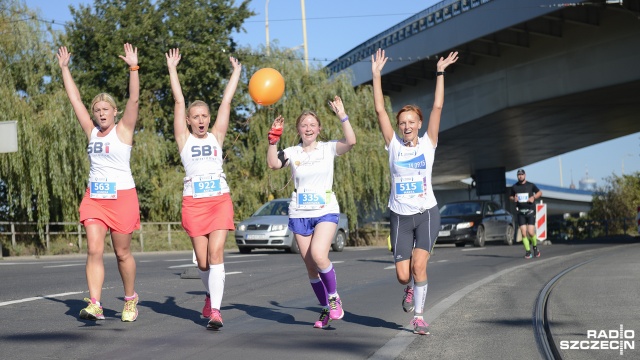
(603, 340)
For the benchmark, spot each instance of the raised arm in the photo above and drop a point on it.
(377, 63)
(438, 99)
(84, 118)
(273, 162)
(345, 144)
(221, 125)
(180, 129)
(130, 116)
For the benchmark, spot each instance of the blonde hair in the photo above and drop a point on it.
(106, 98)
(196, 104)
(315, 116)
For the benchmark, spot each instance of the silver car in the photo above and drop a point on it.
(267, 229)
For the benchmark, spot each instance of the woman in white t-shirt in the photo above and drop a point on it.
(414, 215)
(314, 211)
(207, 210)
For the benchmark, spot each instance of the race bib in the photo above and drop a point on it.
(206, 186)
(102, 188)
(409, 186)
(310, 200)
(522, 197)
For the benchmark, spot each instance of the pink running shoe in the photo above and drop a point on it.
(407, 299)
(215, 320)
(419, 326)
(323, 322)
(335, 306)
(206, 310)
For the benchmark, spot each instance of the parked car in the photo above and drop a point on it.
(267, 229)
(475, 221)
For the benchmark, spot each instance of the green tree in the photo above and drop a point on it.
(46, 176)
(618, 199)
(361, 178)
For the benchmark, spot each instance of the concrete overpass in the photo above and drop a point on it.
(534, 79)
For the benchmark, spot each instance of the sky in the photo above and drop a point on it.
(335, 27)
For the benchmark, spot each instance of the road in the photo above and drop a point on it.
(268, 306)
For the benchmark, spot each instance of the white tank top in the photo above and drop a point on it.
(202, 161)
(110, 158)
(411, 167)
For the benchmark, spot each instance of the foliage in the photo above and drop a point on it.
(361, 177)
(46, 176)
(46, 179)
(617, 199)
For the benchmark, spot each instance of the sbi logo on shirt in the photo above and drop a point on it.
(98, 148)
(203, 151)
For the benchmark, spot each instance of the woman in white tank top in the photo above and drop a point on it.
(414, 215)
(207, 211)
(111, 201)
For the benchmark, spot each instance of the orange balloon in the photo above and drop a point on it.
(266, 86)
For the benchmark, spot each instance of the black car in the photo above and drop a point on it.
(475, 221)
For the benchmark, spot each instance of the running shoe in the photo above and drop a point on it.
(130, 311)
(206, 310)
(215, 320)
(419, 326)
(536, 253)
(335, 306)
(93, 311)
(323, 321)
(407, 299)
(527, 255)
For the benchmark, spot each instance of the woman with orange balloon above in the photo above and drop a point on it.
(207, 211)
(314, 209)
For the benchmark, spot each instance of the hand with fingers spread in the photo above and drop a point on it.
(173, 58)
(276, 130)
(377, 62)
(63, 57)
(130, 55)
(338, 108)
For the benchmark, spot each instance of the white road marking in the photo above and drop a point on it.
(226, 262)
(65, 265)
(474, 249)
(39, 298)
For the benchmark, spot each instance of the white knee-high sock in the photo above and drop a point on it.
(216, 284)
(204, 276)
(419, 296)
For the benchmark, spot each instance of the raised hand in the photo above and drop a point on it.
(63, 57)
(173, 58)
(276, 130)
(130, 55)
(235, 63)
(443, 63)
(337, 106)
(377, 62)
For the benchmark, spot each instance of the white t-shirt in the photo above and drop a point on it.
(313, 180)
(110, 160)
(411, 167)
(202, 160)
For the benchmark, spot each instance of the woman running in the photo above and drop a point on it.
(207, 211)
(314, 211)
(110, 202)
(415, 219)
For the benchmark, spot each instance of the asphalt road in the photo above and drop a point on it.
(269, 308)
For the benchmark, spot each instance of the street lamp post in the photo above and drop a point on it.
(304, 36)
(266, 23)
